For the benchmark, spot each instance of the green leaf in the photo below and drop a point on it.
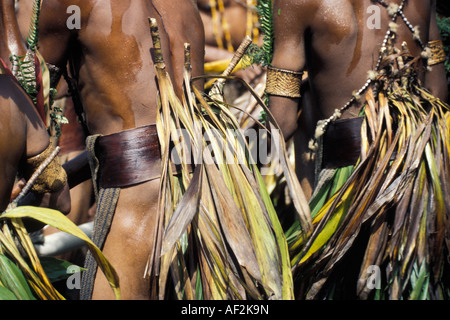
(58, 220)
(56, 269)
(332, 224)
(421, 284)
(6, 294)
(14, 280)
(288, 286)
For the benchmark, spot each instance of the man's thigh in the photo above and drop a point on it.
(130, 242)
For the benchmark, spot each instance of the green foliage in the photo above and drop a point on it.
(23, 66)
(32, 38)
(265, 53)
(6, 294)
(26, 269)
(56, 269)
(444, 27)
(258, 55)
(265, 13)
(12, 281)
(24, 70)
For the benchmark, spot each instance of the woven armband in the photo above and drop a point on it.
(53, 178)
(437, 53)
(284, 83)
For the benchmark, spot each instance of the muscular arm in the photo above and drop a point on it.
(289, 53)
(36, 141)
(435, 80)
(12, 42)
(54, 36)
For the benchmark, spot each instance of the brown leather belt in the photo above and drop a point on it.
(342, 143)
(129, 157)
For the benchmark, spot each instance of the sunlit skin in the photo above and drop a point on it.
(72, 144)
(331, 40)
(23, 133)
(111, 55)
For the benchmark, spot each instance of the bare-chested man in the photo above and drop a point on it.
(111, 60)
(332, 41)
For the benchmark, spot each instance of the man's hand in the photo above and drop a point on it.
(59, 200)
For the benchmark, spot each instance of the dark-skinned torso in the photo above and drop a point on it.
(111, 54)
(111, 58)
(332, 41)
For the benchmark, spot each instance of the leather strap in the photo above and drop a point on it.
(129, 157)
(342, 143)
